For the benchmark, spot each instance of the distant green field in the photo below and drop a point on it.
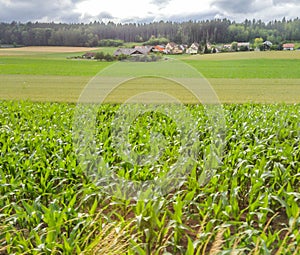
(265, 77)
(56, 67)
(248, 68)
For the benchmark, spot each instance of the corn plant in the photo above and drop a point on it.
(50, 205)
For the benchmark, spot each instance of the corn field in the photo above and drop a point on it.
(49, 205)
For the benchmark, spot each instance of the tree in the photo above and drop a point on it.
(258, 42)
(234, 46)
(206, 50)
(111, 34)
(156, 41)
(99, 55)
(108, 57)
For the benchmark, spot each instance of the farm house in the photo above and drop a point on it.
(193, 49)
(288, 46)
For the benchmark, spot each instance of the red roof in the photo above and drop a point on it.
(159, 48)
(288, 45)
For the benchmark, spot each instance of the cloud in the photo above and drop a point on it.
(71, 11)
(207, 15)
(238, 6)
(160, 3)
(105, 15)
(148, 19)
(268, 10)
(283, 2)
(33, 10)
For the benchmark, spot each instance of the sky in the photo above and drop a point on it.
(141, 11)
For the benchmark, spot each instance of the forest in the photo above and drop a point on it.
(111, 34)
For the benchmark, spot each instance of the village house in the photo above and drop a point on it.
(170, 47)
(246, 45)
(209, 46)
(288, 46)
(142, 50)
(227, 46)
(89, 55)
(267, 45)
(193, 49)
(173, 48)
(179, 49)
(159, 49)
(124, 51)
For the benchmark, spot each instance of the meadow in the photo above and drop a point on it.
(257, 77)
(50, 205)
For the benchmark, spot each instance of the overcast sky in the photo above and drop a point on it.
(145, 10)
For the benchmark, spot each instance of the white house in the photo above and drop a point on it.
(193, 49)
(243, 44)
(288, 46)
(267, 45)
(170, 47)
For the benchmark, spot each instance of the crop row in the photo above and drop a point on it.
(49, 205)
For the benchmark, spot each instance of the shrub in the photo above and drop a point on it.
(122, 57)
(110, 43)
(109, 57)
(156, 41)
(99, 55)
(103, 56)
(244, 48)
(145, 58)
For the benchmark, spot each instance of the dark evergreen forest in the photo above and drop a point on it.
(98, 33)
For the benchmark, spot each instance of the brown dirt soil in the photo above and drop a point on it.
(247, 55)
(50, 49)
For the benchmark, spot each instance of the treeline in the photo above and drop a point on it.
(99, 33)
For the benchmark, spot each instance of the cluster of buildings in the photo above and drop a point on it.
(173, 48)
(170, 48)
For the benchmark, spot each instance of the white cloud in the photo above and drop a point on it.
(148, 10)
(283, 2)
(33, 10)
(145, 10)
(161, 3)
(155, 10)
(118, 9)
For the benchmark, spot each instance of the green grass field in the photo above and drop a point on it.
(244, 77)
(249, 68)
(51, 202)
(43, 66)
